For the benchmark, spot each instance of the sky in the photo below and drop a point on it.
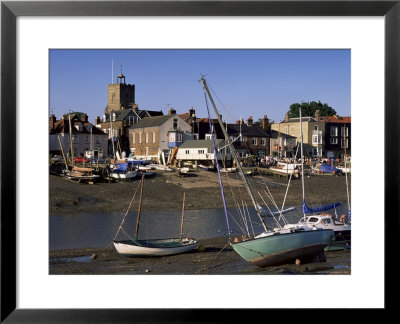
(244, 82)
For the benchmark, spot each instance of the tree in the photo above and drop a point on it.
(309, 108)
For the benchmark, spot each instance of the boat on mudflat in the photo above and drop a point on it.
(273, 246)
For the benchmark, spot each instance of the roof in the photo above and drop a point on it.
(297, 120)
(120, 115)
(246, 130)
(152, 121)
(337, 119)
(202, 144)
(62, 127)
(274, 134)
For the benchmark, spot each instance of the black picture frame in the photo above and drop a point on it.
(10, 10)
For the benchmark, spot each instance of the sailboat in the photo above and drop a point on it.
(79, 174)
(272, 246)
(120, 170)
(317, 218)
(152, 247)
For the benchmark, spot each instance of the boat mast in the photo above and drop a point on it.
(140, 207)
(183, 212)
(70, 140)
(345, 167)
(233, 152)
(302, 158)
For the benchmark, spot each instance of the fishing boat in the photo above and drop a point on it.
(272, 246)
(152, 247)
(121, 171)
(286, 168)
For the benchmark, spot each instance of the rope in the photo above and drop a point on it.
(123, 220)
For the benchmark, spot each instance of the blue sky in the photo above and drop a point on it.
(246, 82)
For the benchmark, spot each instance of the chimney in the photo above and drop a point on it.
(84, 117)
(97, 120)
(52, 121)
(171, 111)
(287, 116)
(250, 121)
(135, 107)
(264, 124)
(317, 115)
(238, 122)
(192, 112)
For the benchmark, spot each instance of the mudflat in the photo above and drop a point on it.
(164, 191)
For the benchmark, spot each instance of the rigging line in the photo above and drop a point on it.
(216, 162)
(276, 206)
(279, 225)
(123, 220)
(290, 177)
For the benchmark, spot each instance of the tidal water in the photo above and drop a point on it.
(99, 230)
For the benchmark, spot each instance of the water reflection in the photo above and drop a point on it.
(98, 230)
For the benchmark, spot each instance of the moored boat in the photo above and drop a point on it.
(273, 246)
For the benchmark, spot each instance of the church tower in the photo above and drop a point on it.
(120, 95)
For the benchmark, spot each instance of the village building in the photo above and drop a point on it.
(254, 139)
(313, 132)
(337, 136)
(282, 145)
(201, 152)
(85, 136)
(250, 139)
(156, 137)
(120, 114)
(323, 136)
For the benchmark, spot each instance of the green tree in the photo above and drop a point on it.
(309, 108)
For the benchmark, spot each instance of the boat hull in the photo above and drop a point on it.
(123, 176)
(284, 248)
(160, 247)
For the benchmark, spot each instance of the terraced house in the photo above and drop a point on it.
(154, 136)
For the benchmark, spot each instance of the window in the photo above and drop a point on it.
(179, 137)
(131, 120)
(75, 139)
(208, 136)
(187, 152)
(254, 142)
(86, 138)
(334, 131)
(286, 130)
(147, 137)
(154, 137)
(133, 138)
(97, 139)
(316, 127)
(244, 138)
(113, 116)
(175, 125)
(342, 131)
(292, 130)
(343, 141)
(317, 139)
(200, 151)
(104, 118)
(140, 138)
(334, 141)
(263, 141)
